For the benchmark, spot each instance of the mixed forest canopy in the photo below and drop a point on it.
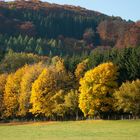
(44, 28)
(63, 62)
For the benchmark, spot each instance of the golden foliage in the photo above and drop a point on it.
(31, 74)
(96, 89)
(42, 90)
(47, 89)
(12, 92)
(3, 79)
(128, 97)
(81, 69)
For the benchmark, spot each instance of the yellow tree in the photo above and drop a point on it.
(47, 90)
(58, 107)
(42, 90)
(31, 74)
(128, 97)
(71, 102)
(3, 79)
(81, 69)
(97, 87)
(12, 92)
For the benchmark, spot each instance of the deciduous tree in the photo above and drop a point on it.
(31, 74)
(46, 90)
(128, 97)
(96, 90)
(3, 79)
(12, 92)
(81, 69)
(71, 102)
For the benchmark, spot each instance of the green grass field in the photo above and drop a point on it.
(80, 130)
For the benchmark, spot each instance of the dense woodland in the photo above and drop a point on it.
(65, 62)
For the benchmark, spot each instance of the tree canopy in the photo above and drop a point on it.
(96, 90)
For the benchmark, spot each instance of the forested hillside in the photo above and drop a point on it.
(44, 28)
(64, 62)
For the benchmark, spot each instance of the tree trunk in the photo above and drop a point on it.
(77, 115)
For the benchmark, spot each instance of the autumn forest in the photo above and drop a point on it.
(67, 63)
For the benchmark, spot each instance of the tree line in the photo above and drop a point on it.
(60, 46)
(104, 82)
(62, 62)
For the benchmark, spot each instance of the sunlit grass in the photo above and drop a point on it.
(80, 130)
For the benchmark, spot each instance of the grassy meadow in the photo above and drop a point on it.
(79, 130)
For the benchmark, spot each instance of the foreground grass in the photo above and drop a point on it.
(80, 130)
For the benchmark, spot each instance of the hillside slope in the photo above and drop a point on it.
(74, 27)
